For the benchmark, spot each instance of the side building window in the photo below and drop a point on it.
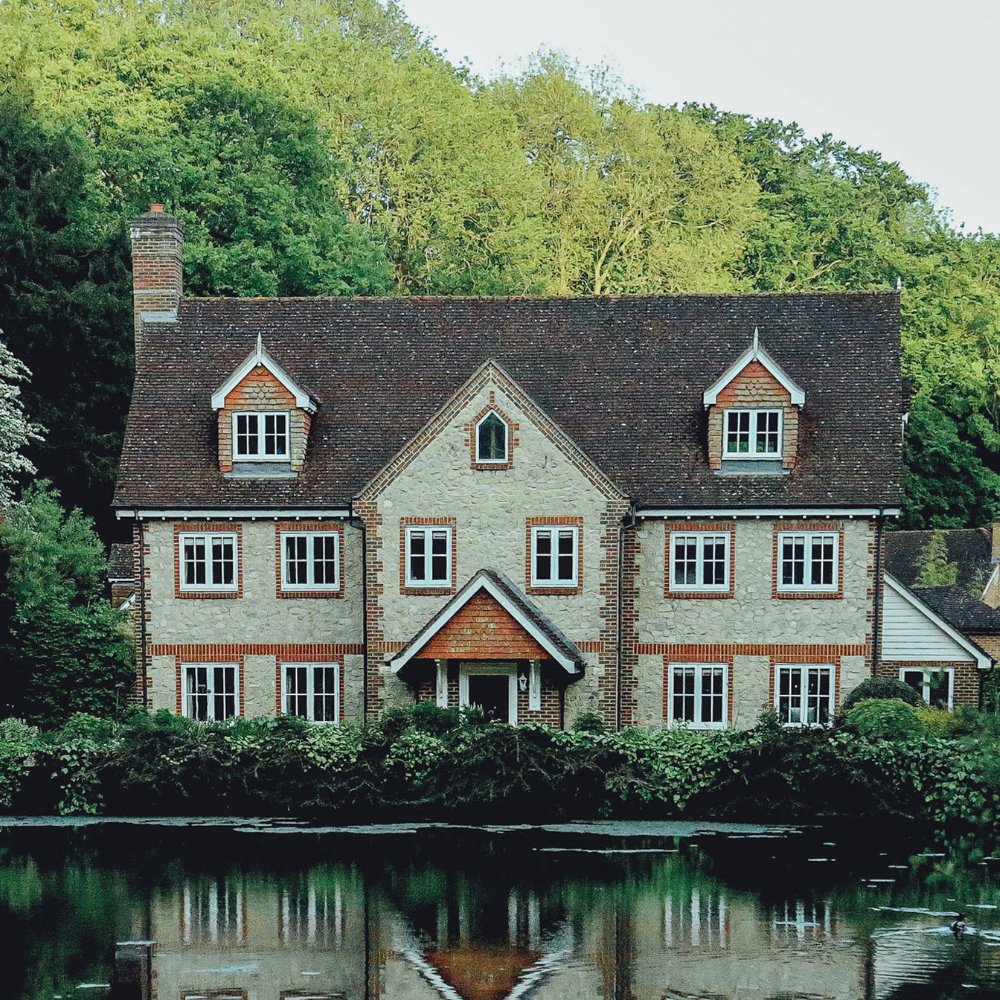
(310, 560)
(210, 691)
(936, 685)
(427, 556)
(698, 695)
(554, 556)
(311, 691)
(808, 561)
(804, 693)
(208, 561)
(699, 561)
(260, 437)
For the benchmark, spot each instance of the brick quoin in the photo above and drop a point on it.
(755, 388)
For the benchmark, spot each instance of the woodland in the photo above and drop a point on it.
(324, 147)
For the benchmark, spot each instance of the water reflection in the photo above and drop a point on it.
(466, 915)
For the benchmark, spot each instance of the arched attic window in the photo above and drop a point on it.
(492, 443)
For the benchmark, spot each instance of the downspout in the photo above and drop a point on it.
(629, 521)
(364, 614)
(877, 609)
(141, 593)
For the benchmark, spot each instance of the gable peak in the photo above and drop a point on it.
(260, 357)
(755, 352)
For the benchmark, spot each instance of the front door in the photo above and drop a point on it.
(491, 692)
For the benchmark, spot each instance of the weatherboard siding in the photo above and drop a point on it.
(910, 636)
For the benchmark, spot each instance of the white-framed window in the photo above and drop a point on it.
(803, 694)
(210, 691)
(699, 560)
(311, 691)
(936, 685)
(310, 560)
(209, 561)
(807, 560)
(554, 555)
(260, 437)
(492, 443)
(752, 434)
(699, 694)
(428, 555)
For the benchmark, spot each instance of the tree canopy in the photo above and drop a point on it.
(323, 147)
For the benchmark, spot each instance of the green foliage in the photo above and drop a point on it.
(880, 687)
(65, 649)
(883, 719)
(588, 722)
(18, 742)
(936, 570)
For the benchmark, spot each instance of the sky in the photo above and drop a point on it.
(913, 79)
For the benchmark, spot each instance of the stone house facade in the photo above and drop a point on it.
(657, 509)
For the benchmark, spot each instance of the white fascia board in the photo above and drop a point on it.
(261, 357)
(401, 659)
(983, 662)
(755, 352)
(758, 512)
(256, 514)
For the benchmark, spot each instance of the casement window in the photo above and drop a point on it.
(807, 560)
(699, 694)
(209, 561)
(210, 691)
(554, 556)
(428, 556)
(310, 560)
(752, 434)
(699, 560)
(311, 691)
(936, 685)
(491, 440)
(260, 437)
(803, 694)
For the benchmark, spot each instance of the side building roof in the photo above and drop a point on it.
(624, 377)
(969, 548)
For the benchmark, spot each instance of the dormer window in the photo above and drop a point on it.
(752, 434)
(491, 440)
(260, 437)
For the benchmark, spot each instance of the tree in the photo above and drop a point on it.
(65, 649)
(16, 431)
(936, 570)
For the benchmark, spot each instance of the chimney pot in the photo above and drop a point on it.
(156, 208)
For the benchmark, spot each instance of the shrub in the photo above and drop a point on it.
(883, 719)
(81, 726)
(429, 718)
(18, 743)
(588, 722)
(881, 687)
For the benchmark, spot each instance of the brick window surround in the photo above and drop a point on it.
(294, 660)
(427, 522)
(689, 528)
(680, 660)
(552, 522)
(472, 429)
(292, 527)
(805, 658)
(206, 658)
(194, 528)
(801, 527)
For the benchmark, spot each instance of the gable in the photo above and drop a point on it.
(482, 630)
(913, 633)
(446, 445)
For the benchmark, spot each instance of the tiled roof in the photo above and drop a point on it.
(623, 377)
(120, 562)
(960, 609)
(969, 548)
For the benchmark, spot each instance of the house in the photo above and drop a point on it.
(657, 509)
(940, 640)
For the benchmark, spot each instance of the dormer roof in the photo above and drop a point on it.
(755, 352)
(260, 357)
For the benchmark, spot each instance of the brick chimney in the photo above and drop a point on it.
(157, 268)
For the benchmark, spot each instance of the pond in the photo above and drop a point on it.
(612, 911)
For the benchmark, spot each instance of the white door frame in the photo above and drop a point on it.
(473, 668)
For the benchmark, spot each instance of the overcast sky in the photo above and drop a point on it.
(914, 79)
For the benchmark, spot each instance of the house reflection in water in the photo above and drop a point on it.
(448, 934)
